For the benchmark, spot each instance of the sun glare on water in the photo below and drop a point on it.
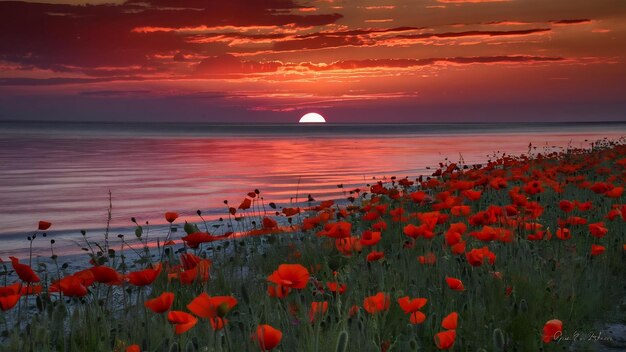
(312, 117)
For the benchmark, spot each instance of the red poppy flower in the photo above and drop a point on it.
(533, 187)
(598, 230)
(269, 224)
(86, 277)
(600, 187)
(24, 271)
(378, 303)
(584, 206)
(317, 309)
(450, 322)
(566, 206)
(161, 303)
(208, 307)
(335, 287)
(613, 214)
(339, 229)
(379, 226)
(354, 310)
(460, 210)
(44, 225)
(170, 216)
(374, 256)
(552, 330)
(455, 284)
(511, 210)
(194, 240)
(369, 238)
(459, 248)
(615, 192)
(482, 218)
(348, 245)
(268, 337)
(476, 257)
(133, 348)
(597, 250)
(291, 211)
(278, 291)
(537, 236)
(418, 197)
(104, 274)
(291, 276)
(9, 296)
(182, 321)
(445, 339)
(412, 307)
(70, 286)
(144, 277)
(472, 194)
(498, 183)
(245, 204)
(563, 233)
(428, 259)
(371, 216)
(196, 269)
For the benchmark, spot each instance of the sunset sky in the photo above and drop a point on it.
(352, 61)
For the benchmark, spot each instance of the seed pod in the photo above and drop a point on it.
(174, 347)
(498, 340)
(523, 306)
(413, 345)
(244, 295)
(342, 341)
(190, 347)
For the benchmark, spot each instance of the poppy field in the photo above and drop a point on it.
(515, 254)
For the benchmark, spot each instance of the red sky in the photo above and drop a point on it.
(274, 60)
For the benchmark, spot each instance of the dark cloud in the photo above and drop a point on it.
(474, 34)
(577, 21)
(53, 36)
(329, 40)
(115, 93)
(22, 81)
(405, 63)
(227, 64)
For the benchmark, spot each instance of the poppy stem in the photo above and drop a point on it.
(108, 226)
(167, 238)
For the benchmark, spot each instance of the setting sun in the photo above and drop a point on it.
(312, 117)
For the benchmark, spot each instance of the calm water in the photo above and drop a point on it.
(63, 172)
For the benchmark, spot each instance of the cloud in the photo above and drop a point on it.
(575, 21)
(115, 93)
(334, 40)
(406, 63)
(70, 37)
(227, 64)
(231, 67)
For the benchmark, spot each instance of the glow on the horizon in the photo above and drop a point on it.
(312, 117)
